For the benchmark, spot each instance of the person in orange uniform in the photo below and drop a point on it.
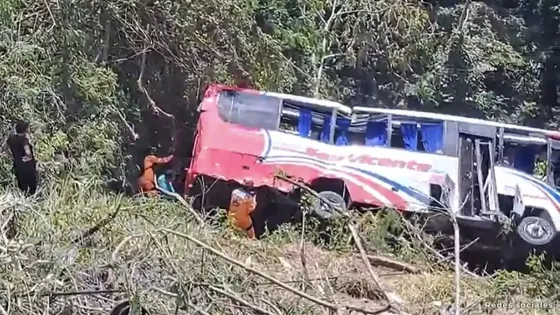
(242, 204)
(146, 182)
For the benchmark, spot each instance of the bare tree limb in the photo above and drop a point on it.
(272, 279)
(393, 264)
(155, 109)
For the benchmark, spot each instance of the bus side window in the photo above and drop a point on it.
(524, 159)
(342, 133)
(305, 122)
(405, 136)
(409, 132)
(397, 138)
(376, 133)
(250, 110)
(432, 137)
(325, 134)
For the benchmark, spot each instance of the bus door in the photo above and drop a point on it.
(477, 182)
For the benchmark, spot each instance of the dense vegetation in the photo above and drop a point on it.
(92, 76)
(99, 80)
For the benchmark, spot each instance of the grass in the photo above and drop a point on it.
(143, 255)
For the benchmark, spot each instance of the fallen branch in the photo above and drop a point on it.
(270, 278)
(433, 251)
(393, 264)
(97, 226)
(357, 241)
(372, 274)
(302, 255)
(240, 300)
(74, 293)
(51, 294)
(196, 216)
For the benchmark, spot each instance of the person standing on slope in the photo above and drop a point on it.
(25, 165)
(146, 182)
(242, 204)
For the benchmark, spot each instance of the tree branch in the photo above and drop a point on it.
(155, 109)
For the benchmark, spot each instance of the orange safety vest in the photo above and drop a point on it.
(242, 204)
(146, 180)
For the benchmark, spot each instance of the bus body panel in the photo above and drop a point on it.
(373, 175)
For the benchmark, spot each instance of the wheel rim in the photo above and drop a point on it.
(536, 231)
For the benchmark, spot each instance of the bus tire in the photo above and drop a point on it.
(536, 230)
(325, 211)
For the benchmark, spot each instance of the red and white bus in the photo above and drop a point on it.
(411, 161)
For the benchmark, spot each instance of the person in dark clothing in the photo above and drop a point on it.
(25, 165)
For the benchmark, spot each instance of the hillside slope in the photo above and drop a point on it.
(152, 253)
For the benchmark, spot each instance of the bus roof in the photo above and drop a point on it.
(321, 103)
(309, 101)
(445, 117)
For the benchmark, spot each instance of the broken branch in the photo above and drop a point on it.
(392, 264)
(270, 278)
(97, 226)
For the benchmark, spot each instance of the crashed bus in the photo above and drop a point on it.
(415, 162)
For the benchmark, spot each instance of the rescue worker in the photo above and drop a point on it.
(25, 165)
(146, 182)
(242, 204)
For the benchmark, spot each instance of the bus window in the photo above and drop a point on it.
(405, 136)
(305, 122)
(376, 133)
(409, 136)
(520, 157)
(342, 133)
(250, 109)
(524, 159)
(432, 137)
(554, 168)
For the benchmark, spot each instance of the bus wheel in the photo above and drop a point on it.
(326, 211)
(536, 231)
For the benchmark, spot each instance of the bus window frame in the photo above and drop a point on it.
(334, 112)
(551, 145)
(228, 118)
(548, 144)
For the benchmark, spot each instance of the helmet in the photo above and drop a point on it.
(150, 151)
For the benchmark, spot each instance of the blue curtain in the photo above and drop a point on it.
(432, 137)
(410, 136)
(376, 133)
(343, 126)
(524, 159)
(325, 133)
(304, 123)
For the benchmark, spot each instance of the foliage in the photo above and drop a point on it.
(77, 71)
(72, 67)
